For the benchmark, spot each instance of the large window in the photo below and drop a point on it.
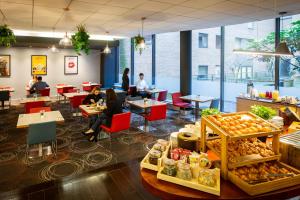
(124, 56)
(203, 40)
(239, 69)
(168, 62)
(206, 62)
(289, 68)
(143, 62)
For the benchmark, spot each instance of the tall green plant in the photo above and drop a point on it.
(7, 37)
(80, 40)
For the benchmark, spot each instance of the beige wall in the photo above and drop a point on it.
(88, 70)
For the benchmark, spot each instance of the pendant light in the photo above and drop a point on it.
(65, 41)
(53, 47)
(107, 50)
(142, 44)
(281, 50)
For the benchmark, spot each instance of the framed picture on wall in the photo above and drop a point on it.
(38, 65)
(5, 66)
(71, 65)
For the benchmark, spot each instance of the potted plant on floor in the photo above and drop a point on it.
(7, 37)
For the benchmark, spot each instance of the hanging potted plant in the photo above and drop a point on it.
(7, 37)
(139, 43)
(139, 40)
(80, 40)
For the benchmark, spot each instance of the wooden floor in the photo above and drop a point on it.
(120, 181)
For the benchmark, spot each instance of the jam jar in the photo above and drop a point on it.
(154, 155)
(158, 147)
(169, 167)
(184, 171)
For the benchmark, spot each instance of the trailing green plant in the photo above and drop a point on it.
(80, 40)
(7, 37)
(263, 111)
(137, 41)
(210, 111)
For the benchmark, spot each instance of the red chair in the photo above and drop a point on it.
(45, 92)
(132, 90)
(158, 112)
(120, 122)
(38, 109)
(87, 88)
(178, 102)
(162, 96)
(34, 104)
(77, 101)
(72, 90)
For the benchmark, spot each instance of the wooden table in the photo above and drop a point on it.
(146, 106)
(197, 99)
(33, 99)
(25, 119)
(91, 110)
(7, 88)
(72, 94)
(166, 190)
(63, 86)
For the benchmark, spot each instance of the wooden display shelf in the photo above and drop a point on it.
(145, 162)
(264, 187)
(191, 183)
(245, 160)
(225, 138)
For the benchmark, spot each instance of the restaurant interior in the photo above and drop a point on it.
(149, 99)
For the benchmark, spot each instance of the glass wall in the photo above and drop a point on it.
(239, 69)
(289, 68)
(206, 52)
(143, 62)
(168, 62)
(124, 56)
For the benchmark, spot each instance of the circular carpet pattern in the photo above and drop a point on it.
(61, 169)
(98, 159)
(7, 156)
(83, 146)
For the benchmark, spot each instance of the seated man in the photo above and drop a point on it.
(39, 85)
(142, 87)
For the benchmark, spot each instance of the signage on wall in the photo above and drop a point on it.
(4, 65)
(39, 65)
(71, 65)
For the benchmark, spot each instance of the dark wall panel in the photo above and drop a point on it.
(109, 68)
(186, 62)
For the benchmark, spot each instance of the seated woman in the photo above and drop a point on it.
(114, 106)
(93, 97)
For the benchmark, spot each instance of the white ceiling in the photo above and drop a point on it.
(123, 17)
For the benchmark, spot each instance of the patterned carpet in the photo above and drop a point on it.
(76, 155)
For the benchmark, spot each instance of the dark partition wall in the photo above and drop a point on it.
(185, 62)
(109, 68)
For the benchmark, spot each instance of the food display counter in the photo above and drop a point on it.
(244, 166)
(244, 104)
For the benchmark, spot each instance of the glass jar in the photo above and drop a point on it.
(208, 177)
(158, 147)
(154, 155)
(169, 167)
(184, 171)
(163, 143)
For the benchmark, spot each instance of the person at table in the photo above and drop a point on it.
(93, 97)
(125, 80)
(142, 87)
(39, 85)
(32, 81)
(113, 106)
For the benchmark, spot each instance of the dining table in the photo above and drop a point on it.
(25, 120)
(7, 88)
(72, 94)
(34, 99)
(92, 109)
(146, 105)
(197, 99)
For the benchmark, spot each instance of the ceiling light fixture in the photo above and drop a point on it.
(65, 41)
(107, 50)
(142, 44)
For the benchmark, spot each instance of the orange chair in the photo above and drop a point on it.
(34, 104)
(38, 109)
